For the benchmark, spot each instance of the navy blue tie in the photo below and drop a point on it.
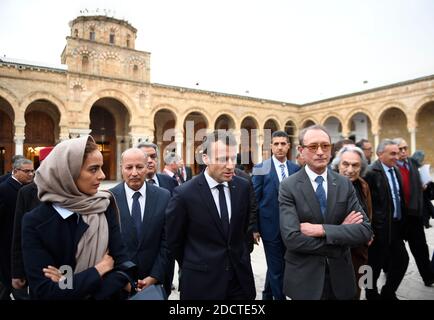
(224, 213)
(397, 202)
(321, 195)
(136, 213)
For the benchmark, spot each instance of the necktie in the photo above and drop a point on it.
(224, 214)
(136, 213)
(151, 181)
(321, 195)
(397, 202)
(282, 171)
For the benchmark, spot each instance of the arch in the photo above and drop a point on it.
(117, 95)
(198, 110)
(419, 105)
(387, 106)
(251, 116)
(357, 129)
(394, 125)
(334, 127)
(353, 112)
(9, 97)
(165, 133)
(231, 125)
(274, 119)
(229, 114)
(289, 119)
(425, 129)
(7, 146)
(304, 122)
(165, 106)
(48, 96)
(331, 115)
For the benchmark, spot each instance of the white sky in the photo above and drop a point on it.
(288, 50)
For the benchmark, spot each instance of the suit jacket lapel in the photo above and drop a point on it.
(127, 225)
(208, 199)
(331, 195)
(150, 205)
(274, 174)
(310, 197)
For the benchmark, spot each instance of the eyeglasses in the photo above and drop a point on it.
(313, 147)
(153, 156)
(27, 171)
(404, 148)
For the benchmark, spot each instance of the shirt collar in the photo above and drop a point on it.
(211, 182)
(130, 192)
(312, 175)
(385, 168)
(276, 162)
(64, 213)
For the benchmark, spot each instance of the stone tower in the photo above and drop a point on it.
(104, 46)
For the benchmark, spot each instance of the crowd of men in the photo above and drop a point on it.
(320, 219)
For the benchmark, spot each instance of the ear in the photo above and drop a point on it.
(205, 159)
(300, 149)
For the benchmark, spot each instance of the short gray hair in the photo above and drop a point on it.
(147, 145)
(171, 157)
(18, 163)
(398, 140)
(386, 142)
(337, 160)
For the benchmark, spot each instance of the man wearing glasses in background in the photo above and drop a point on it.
(320, 220)
(22, 174)
(366, 146)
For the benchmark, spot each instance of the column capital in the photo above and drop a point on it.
(78, 132)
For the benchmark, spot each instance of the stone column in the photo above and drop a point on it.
(257, 142)
(120, 141)
(376, 143)
(412, 139)
(179, 140)
(19, 144)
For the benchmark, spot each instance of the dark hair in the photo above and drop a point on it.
(313, 127)
(90, 147)
(218, 135)
(361, 142)
(339, 144)
(280, 133)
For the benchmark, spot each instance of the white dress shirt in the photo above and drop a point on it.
(142, 200)
(215, 193)
(277, 164)
(312, 176)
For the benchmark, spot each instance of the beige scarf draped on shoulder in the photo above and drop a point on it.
(55, 179)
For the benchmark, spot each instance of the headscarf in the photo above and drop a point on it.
(56, 178)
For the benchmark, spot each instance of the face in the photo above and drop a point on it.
(280, 147)
(151, 162)
(91, 174)
(403, 150)
(221, 161)
(350, 165)
(316, 150)
(390, 155)
(25, 173)
(367, 150)
(133, 168)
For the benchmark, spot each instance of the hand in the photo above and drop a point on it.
(18, 283)
(370, 241)
(52, 273)
(256, 238)
(142, 284)
(105, 265)
(353, 218)
(312, 230)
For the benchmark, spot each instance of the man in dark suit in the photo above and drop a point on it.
(142, 209)
(27, 200)
(320, 220)
(22, 174)
(266, 179)
(184, 171)
(207, 221)
(158, 179)
(413, 201)
(388, 221)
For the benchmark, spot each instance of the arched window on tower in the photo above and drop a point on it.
(84, 63)
(92, 34)
(128, 40)
(112, 38)
(76, 33)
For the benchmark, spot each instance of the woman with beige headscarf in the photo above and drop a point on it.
(75, 230)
